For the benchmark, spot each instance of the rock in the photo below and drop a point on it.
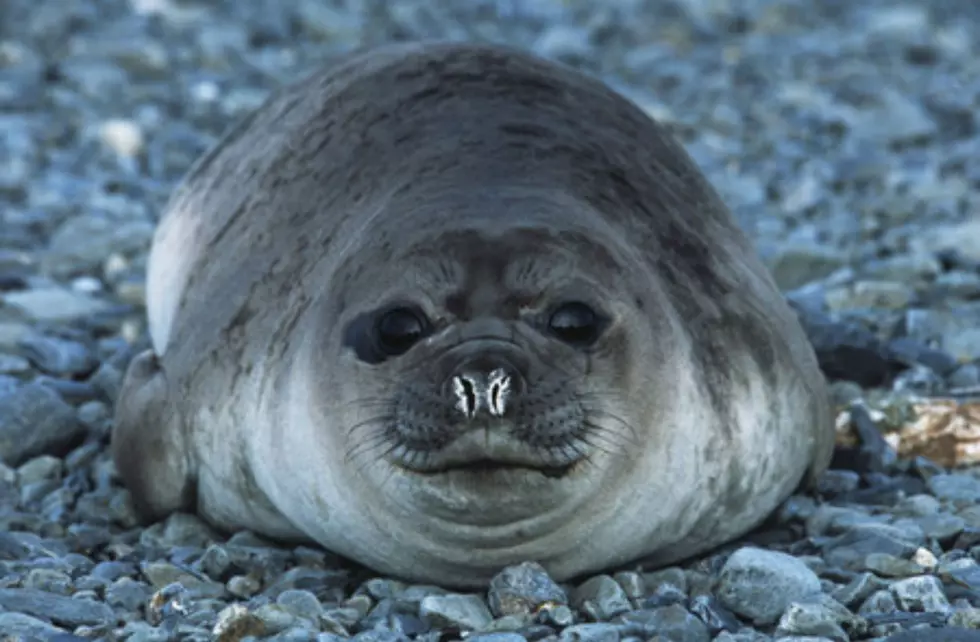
(34, 420)
(955, 487)
(760, 584)
(522, 589)
(673, 623)
(468, 612)
(601, 597)
(822, 618)
(923, 593)
(302, 604)
(795, 265)
(597, 632)
(53, 304)
(235, 622)
(18, 624)
(57, 356)
(61, 610)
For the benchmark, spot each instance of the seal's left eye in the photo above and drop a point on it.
(399, 329)
(575, 323)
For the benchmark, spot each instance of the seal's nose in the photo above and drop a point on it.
(484, 386)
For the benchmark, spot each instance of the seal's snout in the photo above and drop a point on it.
(484, 387)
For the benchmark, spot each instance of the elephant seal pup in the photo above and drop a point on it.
(448, 307)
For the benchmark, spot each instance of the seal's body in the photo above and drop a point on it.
(447, 307)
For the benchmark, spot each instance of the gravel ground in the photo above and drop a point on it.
(845, 136)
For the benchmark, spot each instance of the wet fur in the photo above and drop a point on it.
(283, 206)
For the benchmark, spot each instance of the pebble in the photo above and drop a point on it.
(467, 612)
(760, 584)
(36, 421)
(522, 590)
(59, 609)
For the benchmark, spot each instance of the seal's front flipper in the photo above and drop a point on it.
(149, 447)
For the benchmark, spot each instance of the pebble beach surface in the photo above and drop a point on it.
(844, 135)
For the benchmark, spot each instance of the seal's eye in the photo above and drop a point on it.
(576, 324)
(398, 330)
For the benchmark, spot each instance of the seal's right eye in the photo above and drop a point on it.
(398, 330)
(576, 324)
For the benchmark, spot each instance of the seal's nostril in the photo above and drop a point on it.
(475, 390)
(465, 391)
(498, 392)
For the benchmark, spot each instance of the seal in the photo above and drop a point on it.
(446, 307)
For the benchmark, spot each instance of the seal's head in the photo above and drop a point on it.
(493, 366)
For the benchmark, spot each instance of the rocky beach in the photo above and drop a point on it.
(845, 137)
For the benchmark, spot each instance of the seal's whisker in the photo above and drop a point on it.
(599, 412)
(381, 420)
(614, 439)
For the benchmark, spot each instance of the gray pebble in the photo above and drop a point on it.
(673, 623)
(597, 632)
(19, 624)
(301, 604)
(923, 593)
(61, 610)
(35, 421)
(521, 589)
(760, 584)
(955, 487)
(57, 356)
(601, 597)
(468, 612)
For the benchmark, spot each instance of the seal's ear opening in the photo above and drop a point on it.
(385, 333)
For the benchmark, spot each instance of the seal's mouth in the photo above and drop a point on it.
(489, 467)
(486, 453)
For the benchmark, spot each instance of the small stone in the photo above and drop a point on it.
(673, 623)
(760, 584)
(36, 421)
(301, 604)
(522, 589)
(794, 265)
(714, 615)
(163, 574)
(179, 529)
(124, 137)
(598, 632)
(497, 637)
(632, 584)
(40, 469)
(57, 356)
(673, 576)
(887, 565)
(925, 558)
(814, 619)
(559, 615)
(924, 593)
(954, 487)
(49, 580)
(14, 365)
(858, 589)
(61, 610)
(53, 304)
(467, 612)
(601, 597)
(236, 622)
(274, 619)
(244, 586)
(19, 625)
